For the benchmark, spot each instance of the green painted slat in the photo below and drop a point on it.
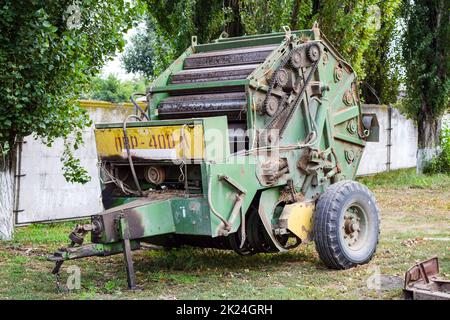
(307, 32)
(346, 114)
(238, 44)
(350, 139)
(149, 123)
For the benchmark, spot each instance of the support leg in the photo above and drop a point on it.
(131, 279)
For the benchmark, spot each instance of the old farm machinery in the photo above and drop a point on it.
(248, 144)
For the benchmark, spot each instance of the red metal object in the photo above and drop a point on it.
(422, 282)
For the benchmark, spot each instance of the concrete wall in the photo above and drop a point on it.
(45, 195)
(403, 142)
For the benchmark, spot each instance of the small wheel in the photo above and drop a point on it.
(346, 225)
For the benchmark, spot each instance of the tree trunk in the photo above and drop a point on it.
(294, 15)
(429, 129)
(234, 28)
(7, 196)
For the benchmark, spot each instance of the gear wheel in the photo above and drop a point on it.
(313, 52)
(271, 106)
(296, 59)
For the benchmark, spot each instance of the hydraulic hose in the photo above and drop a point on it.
(127, 147)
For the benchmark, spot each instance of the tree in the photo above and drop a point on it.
(175, 21)
(382, 60)
(48, 52)
(425, 50)
(112, 89)
(345, 22)
(138, 57)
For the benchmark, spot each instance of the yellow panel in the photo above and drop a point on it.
(299, 217)
(158, 142)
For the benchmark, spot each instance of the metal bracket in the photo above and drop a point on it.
(193, 41)
(233, 183)
(287, 31)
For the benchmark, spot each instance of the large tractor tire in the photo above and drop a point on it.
(346, 225)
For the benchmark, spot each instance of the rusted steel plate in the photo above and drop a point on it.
(232, 104)
(422, 282)
(213, 74)
(231, 57)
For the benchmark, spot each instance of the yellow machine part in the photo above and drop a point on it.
(175, 142)
(298, 218)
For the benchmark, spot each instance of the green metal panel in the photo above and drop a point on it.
(151, 123)
(217, 145)
(157, 218)
(223, 194)
(249, 41)
(191, 216)
(305, 33)
(346, 114)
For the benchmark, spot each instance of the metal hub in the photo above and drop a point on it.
(354, 227)
(155, 174)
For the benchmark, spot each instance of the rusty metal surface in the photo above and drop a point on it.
(228, 57)
(213, 74)
(422, 282)
(232, 104)
(108, 231)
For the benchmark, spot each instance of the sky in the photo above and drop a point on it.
(115, 66)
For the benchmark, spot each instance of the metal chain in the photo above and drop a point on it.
(292, 107)
(272, 83)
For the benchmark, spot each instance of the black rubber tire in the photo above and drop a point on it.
(330, 210)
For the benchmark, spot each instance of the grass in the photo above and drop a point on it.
(412, 207)
(401, 179)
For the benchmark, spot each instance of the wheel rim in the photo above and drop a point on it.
(354, 227)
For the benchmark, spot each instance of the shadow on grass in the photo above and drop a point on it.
(195, 259)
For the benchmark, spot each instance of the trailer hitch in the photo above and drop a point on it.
(76, 249)
(76, 238)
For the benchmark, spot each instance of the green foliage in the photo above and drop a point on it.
(382, 59)
(175, 21)
(425, 50)
(72, 169)
(48, 52)
(260, 16)
(148, 54)
(113, 90)
(348, 24)
(405, 178)
(138, 58)
(441, 163)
